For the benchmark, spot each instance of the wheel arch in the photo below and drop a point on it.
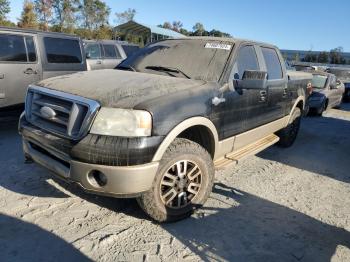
(193, 123)
(300, 103)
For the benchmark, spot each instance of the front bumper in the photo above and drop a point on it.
(118, 181)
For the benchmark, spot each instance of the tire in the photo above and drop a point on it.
(155, 202)
(322, 108)
(288, 134)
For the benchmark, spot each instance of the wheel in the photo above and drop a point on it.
(322, 108)
(183, 182)
(288, 134)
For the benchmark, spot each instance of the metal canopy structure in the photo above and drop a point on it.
(148, 33)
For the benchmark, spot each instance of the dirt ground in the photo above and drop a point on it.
(281, 205)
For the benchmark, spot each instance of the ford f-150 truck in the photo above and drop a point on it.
(158, 126)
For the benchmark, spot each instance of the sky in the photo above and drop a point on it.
(317, 25)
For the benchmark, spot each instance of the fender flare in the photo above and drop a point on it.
(190, 122)
(300, 98)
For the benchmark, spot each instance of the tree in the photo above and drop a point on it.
(335, 56)
(65, 15)
(95, 13)
(296, 57)
(28, 17)
(166, 25)
(4, 9)
(198, 29)
(126, 16)
(177, 25)
(323, 57)
(43, 10)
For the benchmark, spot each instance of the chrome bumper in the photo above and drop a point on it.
(119, 181)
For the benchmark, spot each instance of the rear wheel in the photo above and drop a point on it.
(183, 182)
(288, 134)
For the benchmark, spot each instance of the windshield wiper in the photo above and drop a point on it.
(168, 70)
(127, 67)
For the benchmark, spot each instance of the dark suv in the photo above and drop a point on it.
(28, 56)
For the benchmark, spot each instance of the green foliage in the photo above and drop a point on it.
(323, 57)
(335, 56)
(28, 17)
(4, 9)
(126, 16)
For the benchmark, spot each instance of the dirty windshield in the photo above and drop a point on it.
(319, 81)
(194, 59)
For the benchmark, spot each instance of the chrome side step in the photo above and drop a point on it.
(251, 149)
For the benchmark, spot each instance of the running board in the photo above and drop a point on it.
(251, 149)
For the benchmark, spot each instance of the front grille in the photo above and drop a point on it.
(63, 114)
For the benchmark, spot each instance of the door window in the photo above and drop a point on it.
(12, 48)
(93, 50)
(60, 50)
(111, 52)
(273, 64)
(246, 60)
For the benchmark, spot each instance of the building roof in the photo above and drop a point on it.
(140, 28)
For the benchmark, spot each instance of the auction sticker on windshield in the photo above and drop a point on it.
(218, 46)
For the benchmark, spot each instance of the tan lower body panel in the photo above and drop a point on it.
(248, 143)
(248, 150)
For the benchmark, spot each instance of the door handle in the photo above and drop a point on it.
(2, 76)
(263, 95)
(98, 62)
(284, 95)
(30, 71)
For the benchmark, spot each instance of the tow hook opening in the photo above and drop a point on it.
(97, 178)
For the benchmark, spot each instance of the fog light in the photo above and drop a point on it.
(97, 178)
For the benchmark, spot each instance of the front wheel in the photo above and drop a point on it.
(183, 182)
(288, 134)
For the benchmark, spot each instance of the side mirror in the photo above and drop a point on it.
(88, 55)
(252, 79)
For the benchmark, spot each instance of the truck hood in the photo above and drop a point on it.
(116, 88)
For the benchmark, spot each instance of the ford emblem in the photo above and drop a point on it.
(47, 112)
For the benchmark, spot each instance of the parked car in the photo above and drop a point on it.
(107, 54)
(28, 56)
(342, 74)
(327, 92)
(158, 127)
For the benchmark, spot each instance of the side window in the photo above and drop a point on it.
(246, 60)
(94, 51)
(273, 64)
(12, 48)
(111, 52)
(30, 48)
(60, 50)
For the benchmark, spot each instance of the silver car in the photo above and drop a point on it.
(28, 56)
(327, 92)
(107, 54)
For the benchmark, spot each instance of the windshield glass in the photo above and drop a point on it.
(196, 59)
(319, 81)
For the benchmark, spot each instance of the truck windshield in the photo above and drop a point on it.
(196, 59)
(319, 81)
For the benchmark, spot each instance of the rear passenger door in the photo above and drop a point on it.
(111, 56)
(93, 50)
(19, 67)
(277, 84)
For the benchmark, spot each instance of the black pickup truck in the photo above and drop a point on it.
(158, 126)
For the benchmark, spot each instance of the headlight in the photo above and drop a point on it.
(122, 122)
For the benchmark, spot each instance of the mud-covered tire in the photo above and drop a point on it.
(180, 150)
(288, 134)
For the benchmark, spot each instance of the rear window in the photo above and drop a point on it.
(12, 48)
(111, 51)
(62, 50)
(274, 69)
(130, 49)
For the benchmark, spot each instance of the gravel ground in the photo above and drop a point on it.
(281, 205)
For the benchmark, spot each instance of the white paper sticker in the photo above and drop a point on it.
(218, 46)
